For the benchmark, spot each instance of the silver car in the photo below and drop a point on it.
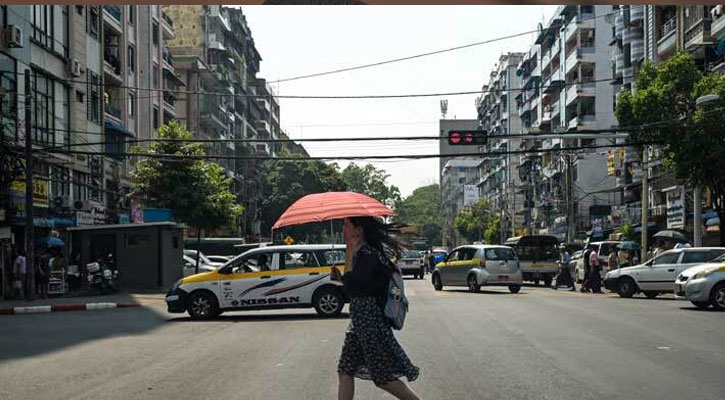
(703, 285)
(478, 265)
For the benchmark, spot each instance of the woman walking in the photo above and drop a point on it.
(370, 350)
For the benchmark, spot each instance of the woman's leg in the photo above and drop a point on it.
(400, 390)
(346, 390)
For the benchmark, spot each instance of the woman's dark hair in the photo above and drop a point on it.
(378, 234)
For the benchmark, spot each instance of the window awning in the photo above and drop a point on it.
(114, 127)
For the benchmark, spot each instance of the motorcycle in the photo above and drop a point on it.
(102, 277)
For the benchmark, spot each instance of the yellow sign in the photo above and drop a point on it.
(288, 240)
(41, 191)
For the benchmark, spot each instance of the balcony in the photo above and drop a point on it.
(581, 21)
(583, 122)
(619, 64)
(169, 102)
(585, 55)
(113, 110)
(699, 35)
(216, 43)
(668, 37)
(580, 90)
(167, 26)
(112, 16)
(717, 29)
(636, 14)
(263, 127)
(213, 115)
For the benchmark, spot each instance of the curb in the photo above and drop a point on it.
(65, 307)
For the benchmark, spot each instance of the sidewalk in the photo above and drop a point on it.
(84, 303)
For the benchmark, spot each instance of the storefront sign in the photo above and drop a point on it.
(98, 213)
(470, 195)
(41, 193)
(84, 218)
(676, 209)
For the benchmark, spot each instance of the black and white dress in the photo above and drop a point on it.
(370, 350)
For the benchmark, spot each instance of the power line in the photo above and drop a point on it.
(450, 49)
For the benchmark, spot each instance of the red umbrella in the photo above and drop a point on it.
(320, 207)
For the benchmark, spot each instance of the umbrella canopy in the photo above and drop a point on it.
(320, 207)
(628, 245)
(671, 235)
(53, 241)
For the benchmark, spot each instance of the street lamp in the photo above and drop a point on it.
(697, 209)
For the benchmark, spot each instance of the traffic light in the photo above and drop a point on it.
(467, 138)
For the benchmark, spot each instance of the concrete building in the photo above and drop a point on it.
(456, 174)
(445, 126)
(498, 115)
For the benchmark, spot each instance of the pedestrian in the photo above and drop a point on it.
(19, 272)
(586, 284)
(370, 350)
(623, 258)
(564, 278)
(43, 275)
(431, 261)
(595, 271)
(613, 260)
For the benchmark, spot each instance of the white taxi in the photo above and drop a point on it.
(271, 277)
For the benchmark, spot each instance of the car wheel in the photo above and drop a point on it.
(547, 280)
(627, 287)
(437, 284)
(536, 282)
(717, 296)
(514, 288)
(328, 302)
(701, 304)
(651, 295)
(473, 285)
(202, 306)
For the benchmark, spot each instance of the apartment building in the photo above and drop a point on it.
(456, 174)
(497, 114)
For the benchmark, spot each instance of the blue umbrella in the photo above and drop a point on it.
(628, 245)
(53, 241)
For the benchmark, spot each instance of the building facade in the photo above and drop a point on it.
(457, 173)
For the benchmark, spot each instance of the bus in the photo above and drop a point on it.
(538, 256)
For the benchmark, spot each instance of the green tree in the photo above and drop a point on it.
(475, 221)
(492, 232)
(285, 182)
(370, 181)
(694, 139)
(422, 211)
(198, 192)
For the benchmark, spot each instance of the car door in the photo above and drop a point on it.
(658, 275)
(301, 273)
(240, 280)
(445, 268)
(463, 265)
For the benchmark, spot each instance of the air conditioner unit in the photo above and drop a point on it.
(82, 205)
(12, 36)
(75, 68)
(61, 201)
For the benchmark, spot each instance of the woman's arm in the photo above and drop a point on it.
(364, 272)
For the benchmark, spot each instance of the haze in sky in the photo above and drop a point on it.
(299, 40)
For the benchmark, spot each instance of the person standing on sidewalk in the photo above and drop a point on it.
(19, 272)
(564, 278)
(595, 272)
(370, 350)
(586, 284)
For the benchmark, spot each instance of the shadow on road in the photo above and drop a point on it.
(23, 336)
(483, 291)
(707, 310)
(261, 318)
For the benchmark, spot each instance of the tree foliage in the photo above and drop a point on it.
(694, 137)
(197, 191)
(371, 181)
(422, 211)
(473, 223)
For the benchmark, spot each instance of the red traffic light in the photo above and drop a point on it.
(466, 138)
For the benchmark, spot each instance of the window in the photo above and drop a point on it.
(59, 181)
(79, 10)
(79, 96)
(80, 185)
(94, 101)
(131, 57)
(252, 263)
(667, 258)
(48, 31)
(296, 259)
(156, 118)
(155, 73)
(131, 105)
(44, 109)
(331, 257)
(500, 253)
(8, 105)
(93, 21)
(697, 257)
(131, 14)
(155, 33)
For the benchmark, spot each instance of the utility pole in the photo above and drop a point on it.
(569, 198)
(645, 202)
(697, 216)
(29, 227)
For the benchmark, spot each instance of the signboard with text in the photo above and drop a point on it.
(676, 209)
(470, 195)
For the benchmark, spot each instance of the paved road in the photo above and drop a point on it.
(538, 344)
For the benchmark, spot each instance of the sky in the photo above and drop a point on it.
(300, 40)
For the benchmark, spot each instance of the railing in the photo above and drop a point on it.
(167, 19)
(113, 110)
(668, 27)
(169, 97)
(113, 60)
(114, 11)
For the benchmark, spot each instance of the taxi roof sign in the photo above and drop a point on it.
(288, 240)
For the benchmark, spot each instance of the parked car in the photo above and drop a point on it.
(189, 267)
(479, 265)
(603, 250)
(219, 259)
(658, 275)
(203, 258)
(412, 263)
(703, 285)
